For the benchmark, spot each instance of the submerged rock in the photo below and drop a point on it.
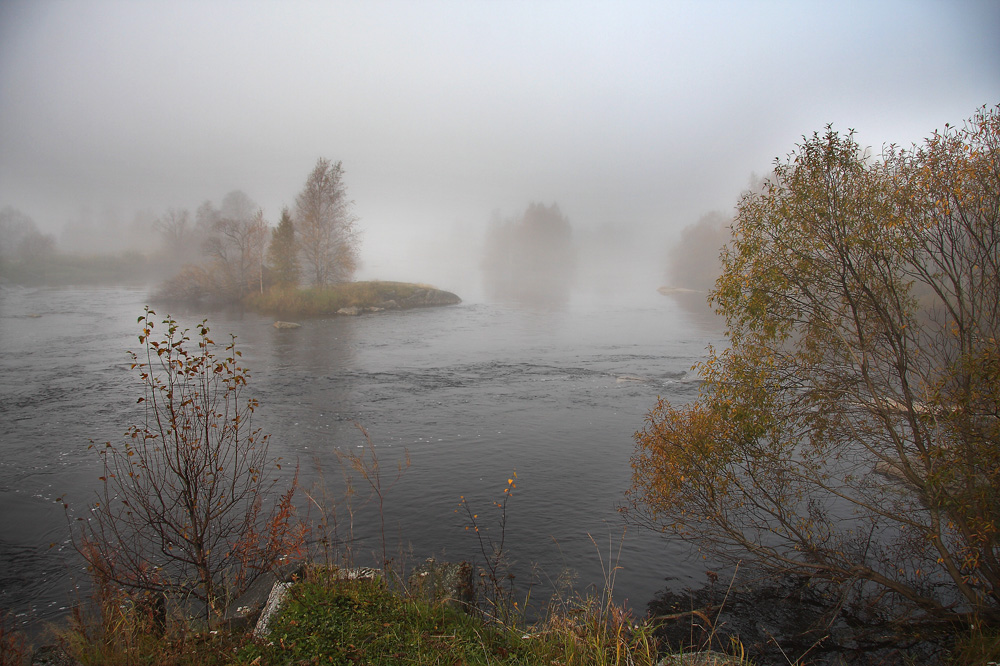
(622, 379)
(671, 291)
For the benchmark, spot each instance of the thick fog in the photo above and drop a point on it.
(636, 118)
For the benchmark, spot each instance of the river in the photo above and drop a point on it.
(471, 392)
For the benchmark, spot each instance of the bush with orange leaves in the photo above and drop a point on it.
(850, 432)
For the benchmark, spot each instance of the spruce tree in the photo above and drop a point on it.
(282, 254)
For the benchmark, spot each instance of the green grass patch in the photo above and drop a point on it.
(364, 622)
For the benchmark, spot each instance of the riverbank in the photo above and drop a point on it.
(333, 616)
(363, 616)
(348, 298)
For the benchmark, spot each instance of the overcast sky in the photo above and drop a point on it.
(638, 114)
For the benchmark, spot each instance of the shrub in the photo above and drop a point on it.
(181, 507)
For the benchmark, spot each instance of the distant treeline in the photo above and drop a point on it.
(530, 258)
(218, 254)
(30, 257)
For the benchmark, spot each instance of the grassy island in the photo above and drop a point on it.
(349, 298)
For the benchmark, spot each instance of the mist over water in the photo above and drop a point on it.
(472, 392)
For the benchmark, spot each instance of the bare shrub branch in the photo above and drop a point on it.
(185, 501)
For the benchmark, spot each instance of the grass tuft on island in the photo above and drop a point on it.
(328, 300)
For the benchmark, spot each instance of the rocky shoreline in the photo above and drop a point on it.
(421, 297)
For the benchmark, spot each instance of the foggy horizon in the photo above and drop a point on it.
(636, 117)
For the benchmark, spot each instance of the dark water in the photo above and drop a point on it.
(472, 392)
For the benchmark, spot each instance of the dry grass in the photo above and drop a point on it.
(320, 301)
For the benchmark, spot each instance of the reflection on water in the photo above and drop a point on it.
(472, 392)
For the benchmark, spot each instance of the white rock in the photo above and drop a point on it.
(279, 592)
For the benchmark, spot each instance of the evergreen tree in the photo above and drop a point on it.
(282, 254)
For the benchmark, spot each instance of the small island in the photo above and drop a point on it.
(349, 299)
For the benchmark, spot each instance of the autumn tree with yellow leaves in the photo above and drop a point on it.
(850, 432)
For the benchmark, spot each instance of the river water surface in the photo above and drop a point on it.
(472, 392)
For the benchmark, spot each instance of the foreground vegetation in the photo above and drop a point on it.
(189, 503)
(345, 622)
(327, 620)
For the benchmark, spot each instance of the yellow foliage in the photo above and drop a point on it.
(851, 430)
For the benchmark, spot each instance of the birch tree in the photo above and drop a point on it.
(237, 245)
(325, 224)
